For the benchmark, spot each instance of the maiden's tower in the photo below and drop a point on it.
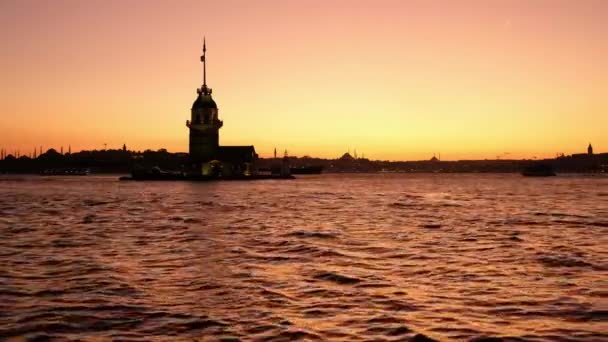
(206, 155)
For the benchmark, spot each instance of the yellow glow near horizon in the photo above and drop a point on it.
(399, 80)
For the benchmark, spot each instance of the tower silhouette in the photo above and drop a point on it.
(204, 123)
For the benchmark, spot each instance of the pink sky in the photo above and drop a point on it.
(393, 79)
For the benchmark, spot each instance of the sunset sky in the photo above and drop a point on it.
(396, 80)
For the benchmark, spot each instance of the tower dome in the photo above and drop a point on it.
(204, 101)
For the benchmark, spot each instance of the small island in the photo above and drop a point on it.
(207, 160)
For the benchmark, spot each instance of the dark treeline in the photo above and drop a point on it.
(123, 161)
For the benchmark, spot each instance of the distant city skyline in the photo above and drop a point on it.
(395, 80)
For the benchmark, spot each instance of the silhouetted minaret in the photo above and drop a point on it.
(61, 150)
(589, 149)
(69, 149)
(40, 150)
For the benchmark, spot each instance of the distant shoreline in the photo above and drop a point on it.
(123, 161)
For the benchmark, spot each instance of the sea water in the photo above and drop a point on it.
(324, 257)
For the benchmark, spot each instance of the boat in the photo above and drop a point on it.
(154, 173)
(539, 170)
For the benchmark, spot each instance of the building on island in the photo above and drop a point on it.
(206, 155)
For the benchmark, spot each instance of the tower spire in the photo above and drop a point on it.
(204, 63)
(204, 89)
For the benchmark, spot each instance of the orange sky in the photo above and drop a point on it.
(393, 79)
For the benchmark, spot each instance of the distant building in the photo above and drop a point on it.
(590, 149)
(206, 155)
(347, 157)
